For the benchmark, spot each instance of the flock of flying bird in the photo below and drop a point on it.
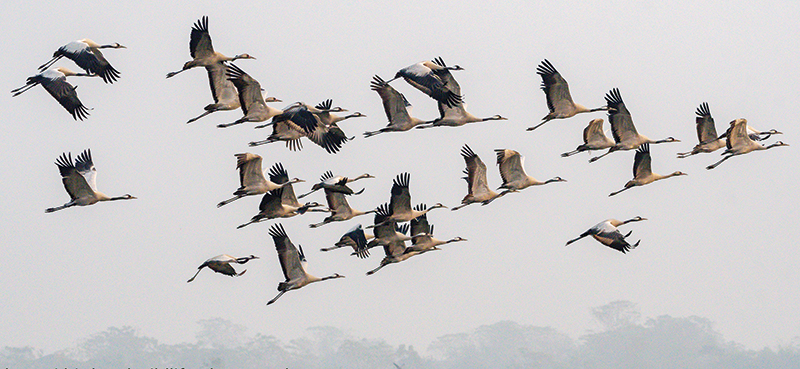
(232, 88)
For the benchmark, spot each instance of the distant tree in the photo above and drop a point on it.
(617, 314)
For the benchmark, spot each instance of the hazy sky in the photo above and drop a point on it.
(717, 243)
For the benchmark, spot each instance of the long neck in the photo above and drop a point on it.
(626, 222)
(328, 277)
(118, 198)
(662, 141)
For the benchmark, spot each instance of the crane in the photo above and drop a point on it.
(336, 183)
(740, 143)
(280, 202)
(559, 100)
(202, 51)
(339, 208)
(642, 174)
(593, 138)
(254, 106)
(425, 76)
(55, 82)
(251, 177)
(422, 239)
(477, 187)
(606, 232)
(293, 263)
(222, 264)
(400, 201)
(512, 171)
(625, 134)
(354, 238)
(396, 107)
(87, 55)
(80, 181)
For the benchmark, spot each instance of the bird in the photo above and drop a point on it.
(251, 178)
(329, 181)
(280, 202)
(396, 107)
(477, 187)
(303, 120)
(425, 77)
(202, 51)
(706, 133)
(293, 263)
(559, 100)
(512, 171)
(400, 201)
(392, 240)
(55, 82)
(593, 138)
(80, 181)
(642, 174)
(254, 106)
(422, 239)
(453, 115)
(354, 238)
(326, 110)
(622, 128)
(284, 130)
(739, 142)
(87, 55)
(339, 208)
(606, 232)
(225, 95)
(222, 264)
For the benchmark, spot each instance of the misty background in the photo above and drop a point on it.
(718, 244)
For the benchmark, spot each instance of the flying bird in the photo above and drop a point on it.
(80, 181)
(512, 171)
(642, 174)
(254, 106)
(251, 178)
(86, 54)
(477, 186)
(425, 76)
(222, 264)
(202, 51)
(400, 201)
(422, 239)
(354, 238)
(339, 208)
(606, 232)
(559, 100)
(280, 202)
(293, 263)
(224, 92)
(55, 82)
(625, 134)
(396, 107)
(593, 138)
(391, 238)
(739, 142)
(335, 183)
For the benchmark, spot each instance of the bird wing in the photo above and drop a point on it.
(614, 240)
(706, 132)
(85, 166)
(249, 91)
(74, 182)
(422, 78)
(279, 175)
(400, 201)
(594, 132)
(511, 165)
(394, 103)
(419, 225)
(738, 135)
(330, 138)
(250, 172)
(288, 255)
(223, 268)
(476, 172)
(222, 89)
(271, 204)
(619, 117)
(336, 200)
(200, 41)
(641, 162)
(58, 87)
(555, 88)
(90, 59)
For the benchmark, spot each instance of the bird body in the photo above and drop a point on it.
(335, 183)
(739, 142)
(593, 138)
(55, 82)
(625, 135)
(340, 209)
(400, 201)
(512, 171)
(642, 173)
(354, 238)
(559, 100)
(293, 263)
(607, 233)
(87, 55)
(202, 51)
(426, 77)
(80, 181)
(222, 264)
(254, 106)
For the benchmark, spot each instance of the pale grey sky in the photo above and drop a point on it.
(717, 243)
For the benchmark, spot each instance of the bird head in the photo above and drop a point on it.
(671, 139)
(679, 173)
(557, 179)
(497, 117)
(243, 56)
(116, 45)
(438, 205)
(272, 99)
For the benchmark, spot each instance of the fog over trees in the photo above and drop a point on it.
(624, 340)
